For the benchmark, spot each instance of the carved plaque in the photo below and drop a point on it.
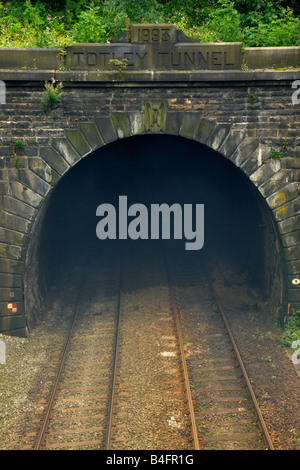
(155, 48)
(149, 33)
(155, 114)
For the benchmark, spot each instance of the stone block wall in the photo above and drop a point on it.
(251, 122)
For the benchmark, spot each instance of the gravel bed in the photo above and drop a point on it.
(153, 395)
(25, 374)
(222, 405)
(274, 377)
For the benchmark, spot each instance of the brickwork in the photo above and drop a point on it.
(254, 124)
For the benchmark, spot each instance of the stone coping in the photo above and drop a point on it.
(172, 62)
(133, 78)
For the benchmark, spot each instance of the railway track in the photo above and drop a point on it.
(72, 413)
(149, 406)
(106, 393)
(226, 410)
(135, 372)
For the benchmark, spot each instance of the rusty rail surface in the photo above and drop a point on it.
(45, 421)
(114, 373)
(259, 415)
(176, 311)
(192, 377)
(55, 391)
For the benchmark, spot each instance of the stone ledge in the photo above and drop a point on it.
(144, 56)
(272, 57)
(135, 79)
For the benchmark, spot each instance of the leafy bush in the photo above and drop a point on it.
(226, 21)
(139, 11)
(192, 13)
(222, 23)
(282, 30)
(97, 24)
(73, 8)
(57, 23)
(274, 27)
(27, 25)
(292, 330)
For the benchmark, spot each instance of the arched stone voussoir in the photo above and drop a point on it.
(218, 136)
(274, 184)
(121, 123)
(265, 172)
(92, 135)
(34, 182)
(190, 124)
(63, 146)
(231, 142)
(289, 193)
(54, 159)
(79, 142)
(204, 131)
(290, 225)
(244, 150)
(107, 129)
(173, 122)
(43, 169)
(23, 193)
(136, 123)
(17, 207)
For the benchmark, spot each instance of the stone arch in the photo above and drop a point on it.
(273, 181)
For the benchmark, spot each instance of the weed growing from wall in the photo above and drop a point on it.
(52, 95)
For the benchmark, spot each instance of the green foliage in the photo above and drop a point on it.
(58, 23)
(276, 154)
(226, 21)
(19, 143)
(27, 25)
(266, 25)
(98, 23)
(283, 152)
(52, 95)
(291, 331)
(282, 29)
(73, 9)
(139, 11)
(120, 65)
(192, 12)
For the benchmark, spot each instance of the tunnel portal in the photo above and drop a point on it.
(157, 169)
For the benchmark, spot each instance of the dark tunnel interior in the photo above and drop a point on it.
(153, 169)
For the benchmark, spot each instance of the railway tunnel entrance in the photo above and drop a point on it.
(239, 235)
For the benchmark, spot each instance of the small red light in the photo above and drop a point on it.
(12, 308)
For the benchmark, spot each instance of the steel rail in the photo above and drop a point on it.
(185, 370)
(46, 418)
(176, 312)
(114, 374)
(262, 424)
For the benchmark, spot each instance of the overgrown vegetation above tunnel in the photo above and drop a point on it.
(59, 23)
